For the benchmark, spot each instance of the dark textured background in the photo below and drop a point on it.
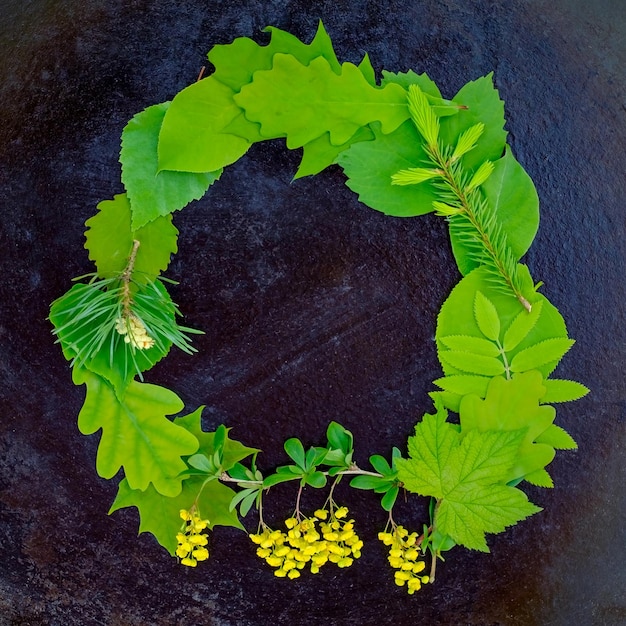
(314, 306)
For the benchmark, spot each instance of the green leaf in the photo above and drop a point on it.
(404, 79)
(482, 104)
(318, 154)
(389, 499)
(467, 477)
(159, 514)
(558, 438)
(540, 478)
(456, 317)
(520, 327)
(232, 451)
(202, 463)
(513, 405)
(366, 68)
(369, 166)
(110, 238)
(367, 482)
(463, 384)
(152, 194)
(339, 437)
(136, 435)
(563, 391)
(302, 102)
(473, 363)
(275, 479)
(486, 316)
(295, 450)
(467, 343)
(316, 480)
(547, 351)
(379, 463)
(204, 129)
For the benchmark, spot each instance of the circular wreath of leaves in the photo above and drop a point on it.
(406, 151)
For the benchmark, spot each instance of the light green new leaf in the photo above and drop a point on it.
(369, 166)
(547, 351)
(482, 104)
(513, 405)
(520, 327)
(462, 384)
(110, 238)
(302, 102)
(151, 193)
(204, 130)
(473, 363)
(466, 343)
(486, 316)
(558, 438)
(159, 514)
(136, 435)
(558, 390)
(467, 476)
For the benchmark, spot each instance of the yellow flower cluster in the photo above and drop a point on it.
(403, 556)
(191, 541)
(304, 542)
(134, 332)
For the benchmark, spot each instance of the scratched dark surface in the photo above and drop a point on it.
(314, 307)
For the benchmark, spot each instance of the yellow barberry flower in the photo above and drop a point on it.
(403, 557)
(191, 542)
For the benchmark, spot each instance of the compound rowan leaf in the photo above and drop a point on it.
(136, 433)
(486, 316)
(547, 351)
(110, 239)
(152, 193)
(159, 514)
(302, 102)
(468, 476)
(558, 390)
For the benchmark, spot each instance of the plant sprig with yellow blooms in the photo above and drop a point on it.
(406, 151)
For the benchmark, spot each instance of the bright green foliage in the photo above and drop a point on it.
(467, 474)
(152, 193)
(136, 435)
(481, 104)
(158, 514)
(512, 405)
(369, 166)
(302, 102)
(563, 391)
(469, 314)
(386, 483)
(110, 241)
(204, 129)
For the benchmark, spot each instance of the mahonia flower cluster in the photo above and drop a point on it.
(191, 542)
(403, 557)
(311, 540)
(134, 332)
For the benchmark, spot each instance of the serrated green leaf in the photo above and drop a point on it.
(463, 384)
(110, 239)
(159, 514)
(369, 166)
(558, 438)
(547, 351)
(467, 343)
(467, 476)
(456, 317)
(540, 478)
(473, 363)
(136, 435)
(486, 316)
(513, 405)
(152, 194)
(558, 390)
(302, 102)
(520, 327)
(404, 79)
(481, 103)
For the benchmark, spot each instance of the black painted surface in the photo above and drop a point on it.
(314, 306)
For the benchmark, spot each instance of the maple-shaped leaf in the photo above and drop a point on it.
(110, 239)
(152, 193)
(159, 514)
(302, 102)
(513, 405)
(136, 433)
(468, 477)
